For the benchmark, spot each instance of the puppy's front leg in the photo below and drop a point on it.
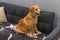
(36, 30)
(33, 32)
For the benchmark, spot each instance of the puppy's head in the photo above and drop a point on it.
(35, 9)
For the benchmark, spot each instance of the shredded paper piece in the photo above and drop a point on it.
(10, 37)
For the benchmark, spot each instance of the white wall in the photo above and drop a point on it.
(49, 5)
(0, 0)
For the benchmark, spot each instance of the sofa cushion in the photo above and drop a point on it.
(1, 3)
(9, 8)
(46, 21)
(15, 10)
(46, 17)
(15, 36)
(2, 15)
(13, 19)
(21, 11)
(44, 27)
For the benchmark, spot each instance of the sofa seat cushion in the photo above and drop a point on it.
(15, 36)
(3, 24)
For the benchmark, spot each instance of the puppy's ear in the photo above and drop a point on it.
(31, 9)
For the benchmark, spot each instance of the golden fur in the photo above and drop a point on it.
(28, 23)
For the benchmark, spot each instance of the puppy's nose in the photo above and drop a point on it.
(39, 10)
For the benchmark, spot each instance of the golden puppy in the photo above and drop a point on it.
(28, 23)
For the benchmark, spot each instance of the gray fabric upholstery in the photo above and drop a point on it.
(54, 35)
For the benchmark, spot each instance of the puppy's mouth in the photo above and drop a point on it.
(38, 14)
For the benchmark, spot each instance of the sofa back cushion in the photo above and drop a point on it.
(21, 11)
(46, 21)
(1, 3)
(14, 12)
(46, 17)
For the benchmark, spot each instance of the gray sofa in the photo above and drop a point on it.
(46, 23)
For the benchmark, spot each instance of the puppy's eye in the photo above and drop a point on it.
(36, 9)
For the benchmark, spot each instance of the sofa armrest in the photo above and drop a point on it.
(54, 35)
(54, 22)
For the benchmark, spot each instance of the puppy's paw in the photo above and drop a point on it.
(35, 36)
(38, 33)
(30, 35)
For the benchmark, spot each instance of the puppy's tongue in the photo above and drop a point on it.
(39, 14)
